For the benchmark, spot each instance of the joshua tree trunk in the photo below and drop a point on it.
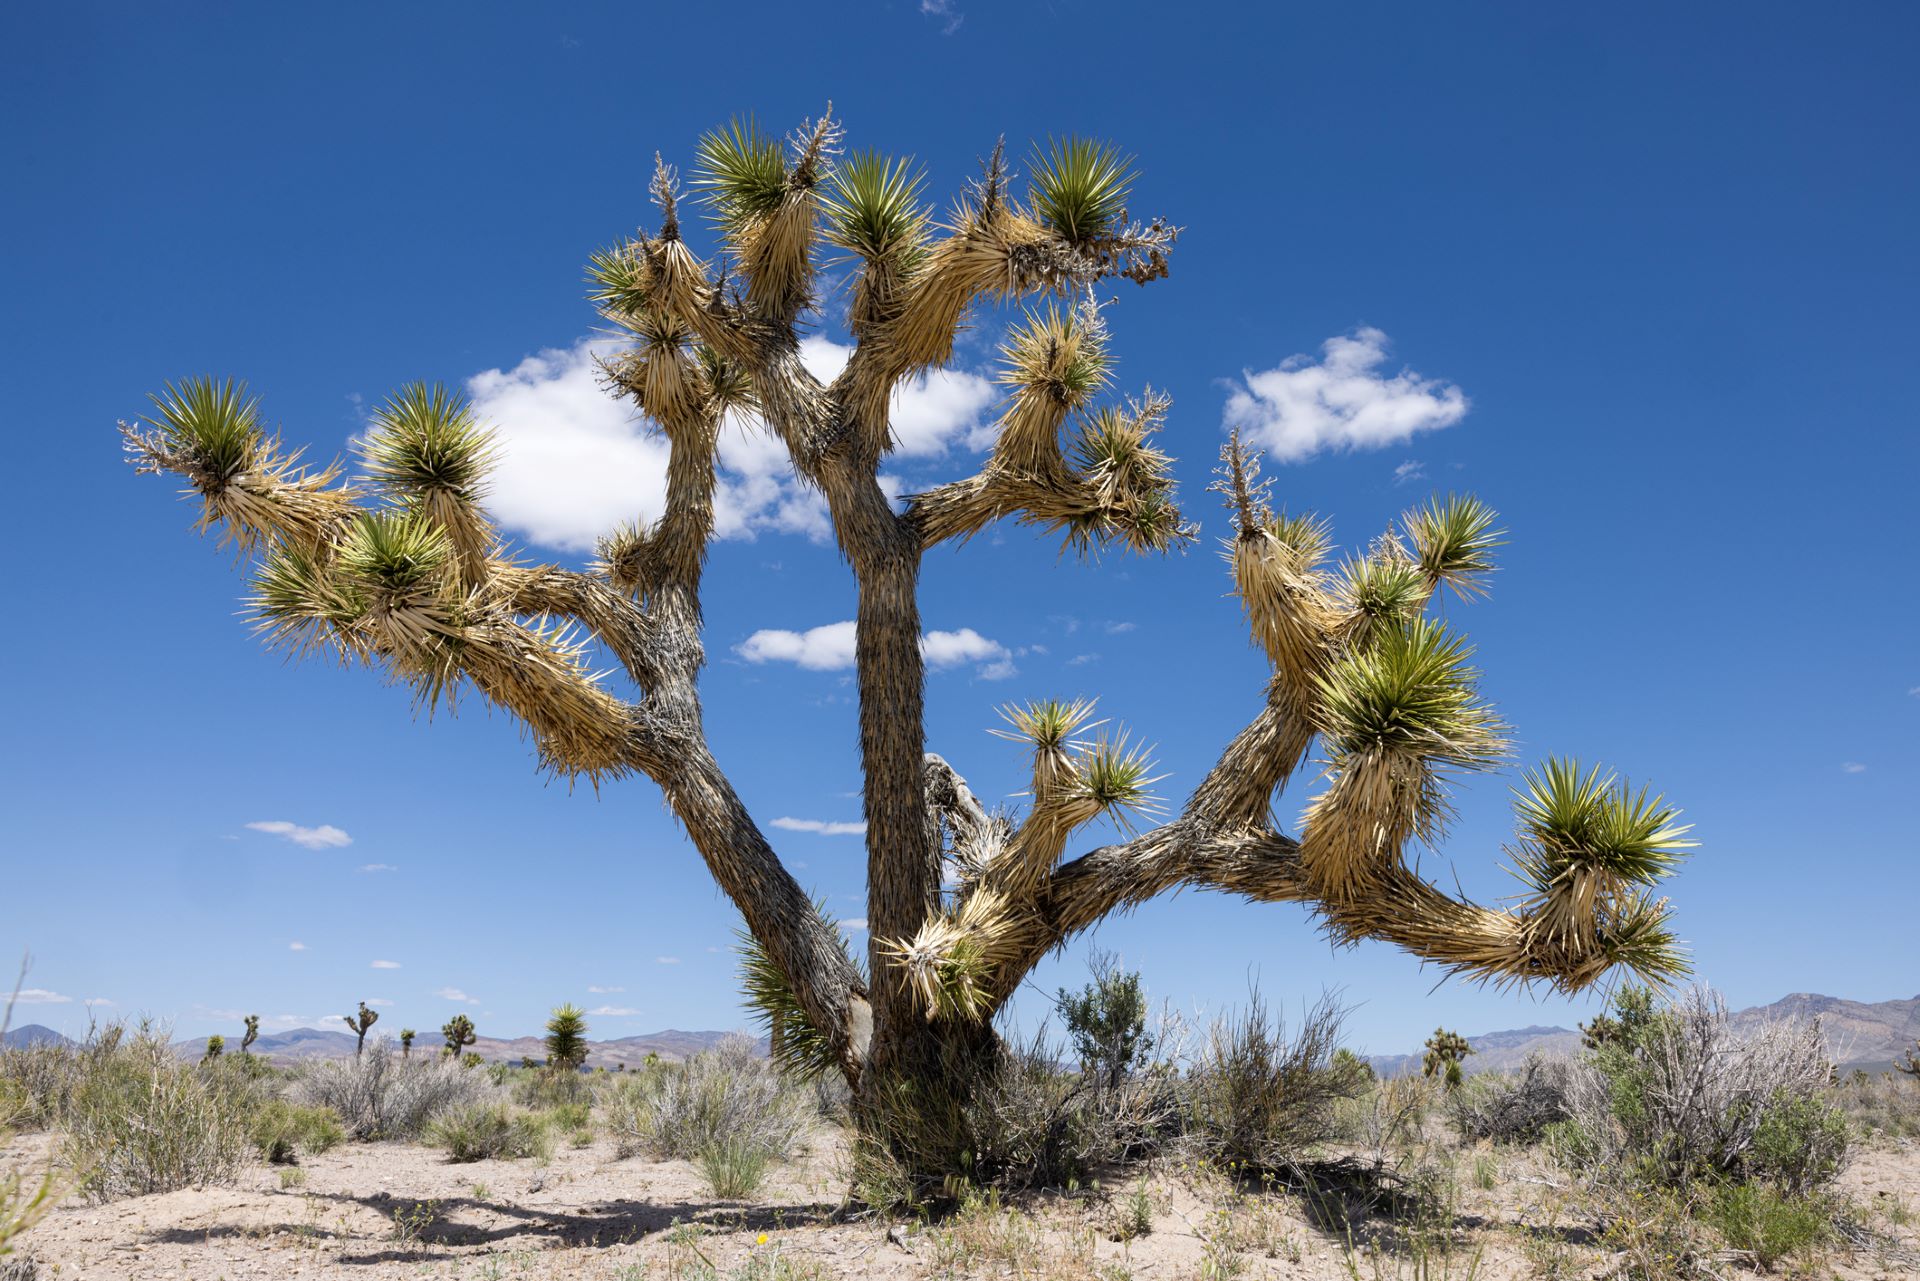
(404, 571)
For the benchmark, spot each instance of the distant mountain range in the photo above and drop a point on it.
(307, 1043)
(1869, 1036)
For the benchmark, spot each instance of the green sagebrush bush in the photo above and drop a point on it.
(485, 1131)
(282, 1131)
(380, 1095)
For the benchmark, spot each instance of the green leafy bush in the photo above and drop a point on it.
(1772, 1225)
(282, 1131)
(484, 1131)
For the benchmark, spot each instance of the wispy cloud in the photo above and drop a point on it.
(324, 837)
(820, 827)
(829, 648)
(93, 1001)
(1121, 627)
(41, 996)
(574, 461)
(943, 12)
(1408, 472)
(1303, 407)
(385, 965)
(666, 960)
(854, 925)
(374, 1000)
(296, 946)
(378, 867)
(1853, 767)
(613, 1011)
(455, 994)
(598, 990)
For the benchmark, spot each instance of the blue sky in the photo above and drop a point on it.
(1640, 276)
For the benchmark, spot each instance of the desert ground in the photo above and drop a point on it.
(384, 1210)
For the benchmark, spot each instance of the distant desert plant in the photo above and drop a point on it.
(380, 1096)
(459, 1033)
(1911, 1065)
(1444, 1053)
(252, 1034)
(360, 1024)
(724, 1096)
(1881, 1103)
(406, 1042)
(567, 1038)
(141, 1121)
(484, 1131)
(216, 1046)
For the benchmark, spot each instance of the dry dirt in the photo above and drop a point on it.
(585, 1215)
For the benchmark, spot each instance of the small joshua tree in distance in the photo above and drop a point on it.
(1912, 1066)
(567, 1038)
(1445, 1050)
(406, 1042)
(216, 1046)
(359, 1025)
(459, 1033)
(252, 1034)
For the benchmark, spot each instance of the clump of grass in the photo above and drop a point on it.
(282, 1131)
(734, 1168)
(379, 1095)
(485, 1131)
(1885, 1104)
(141, 1121)
(292, 1177)
(724, 1097)
(1771, 1225)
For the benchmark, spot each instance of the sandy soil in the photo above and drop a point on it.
(586, 1215)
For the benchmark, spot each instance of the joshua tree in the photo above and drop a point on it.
(1912, 1066)
(459, 1033)
(252, 1033)
(406, 1042)
(359, 1023)
(216, 1046)
(401, 569)
(1445, 1050)
(567, 1038)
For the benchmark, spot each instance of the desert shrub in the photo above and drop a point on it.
(1106, 1022)
(1684, 1097)
(1513, 1107)
(726, 1095)
(282, 1131)
(1262, 1099)
(379, 1095)
(734, 1168)
(138, 1120)
(36, 1082)
(1885, 1103)
(1772, 1225)
(484, 1131)
(541, 1088)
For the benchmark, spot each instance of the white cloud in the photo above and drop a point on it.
(324, 837)
(943, 11)
(1302, 406)
(41, 996)
(93, 1001)
(854, 925)
(613, 1011)
(575, 461)
(1408, 472)
(385, 965)
(374, 1000)
(666, 960)
(1121, 628)
(378, 867)
(296, 946)
(1081, 660)
(820, 827)
(597, 990)
(1854, 767)
(830, 647)
(455, 994)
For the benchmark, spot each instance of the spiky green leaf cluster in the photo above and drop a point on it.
(1115, 775)
(1061, 351)
(872, 207)
(1592, 821)
(1307, 537)
(299, 602)
(566, 1038)
(398, 554)
(1410, 691)
(427, 438)
(1382, 591)
(1080, 188)
(1454, 541)
(620, 279)
(799, 1048)
(1047, 723)
(742, 172)
(214, 427)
